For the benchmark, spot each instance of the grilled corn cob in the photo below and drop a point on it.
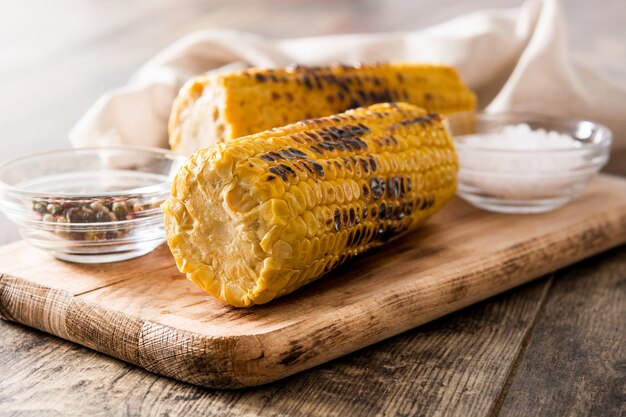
(214, 108)
(259, 216)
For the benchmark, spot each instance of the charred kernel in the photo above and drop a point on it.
(402, 189)
(376, 189)
(362, 95)
(273, 77)
(372, 163)
(431, 201)
(275, 155)
(366, 191)
(399, 213)
(287, 169)
(330, 99)
(306, 167)
(318, 168)
(275, 96)
(297, 153)
(365, 212)
(307, 83)
(278, 172)
(289, 97)
(409, 208)
(337, 220)
(409, 184)
(389, 213)
(270, 178)
(345, 218)
(383, 186)
(382, 212)
(364, 165)
(338, 165)
(374, 211)
(260, 77)
(316, 149)
(340, 96)
(325, 136)
(352, 215)
(286, 153)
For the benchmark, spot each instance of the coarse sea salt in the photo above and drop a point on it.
(519, 162)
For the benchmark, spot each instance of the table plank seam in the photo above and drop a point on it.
(517, 360)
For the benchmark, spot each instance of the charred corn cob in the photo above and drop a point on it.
(214, 108)
(259, 216)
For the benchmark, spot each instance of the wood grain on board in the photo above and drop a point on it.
(144, 312)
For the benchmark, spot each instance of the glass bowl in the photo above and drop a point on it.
(90, 205)
(524, 179)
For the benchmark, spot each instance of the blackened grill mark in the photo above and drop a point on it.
(275, 155)
(297, 153)
(366, 191)
(376, 189)
(306, 167)
(278, 172)
(318, 168)
(372, 163)
(337, 220)
(365, 165)
(422, 120)
(312, 136)
(286, 153)
(383, 186)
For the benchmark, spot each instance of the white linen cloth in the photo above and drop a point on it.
(515, 59)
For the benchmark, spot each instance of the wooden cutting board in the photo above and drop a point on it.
(145, 312)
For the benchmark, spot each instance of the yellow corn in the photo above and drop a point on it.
(257, 217)
(213, 108)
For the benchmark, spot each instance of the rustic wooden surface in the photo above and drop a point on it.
(554, 347)
(143, 310)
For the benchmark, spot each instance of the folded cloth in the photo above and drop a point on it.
(515, 59)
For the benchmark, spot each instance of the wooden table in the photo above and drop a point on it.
(556, 346)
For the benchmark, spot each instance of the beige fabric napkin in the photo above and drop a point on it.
(515, 59)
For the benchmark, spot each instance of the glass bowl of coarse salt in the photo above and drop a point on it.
(526, 163)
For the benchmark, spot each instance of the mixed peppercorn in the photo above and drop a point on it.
(64, 212)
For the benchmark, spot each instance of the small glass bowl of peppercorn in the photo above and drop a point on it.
(90, 205)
